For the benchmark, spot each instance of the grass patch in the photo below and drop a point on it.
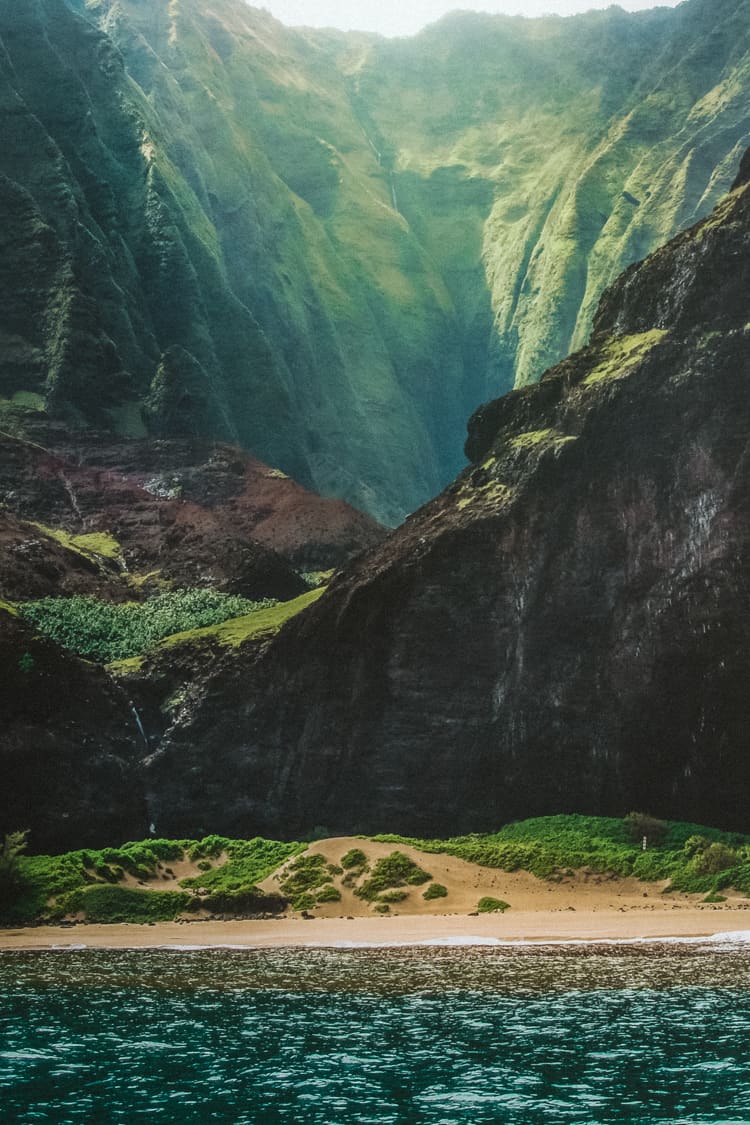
(248, 862)
(531, 438)
(435, 890)
(107, 632)
(488, 905)
(622, 354)
(256, 625)
(93, 546)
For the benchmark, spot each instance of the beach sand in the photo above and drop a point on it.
(584, 906)
(517, 926)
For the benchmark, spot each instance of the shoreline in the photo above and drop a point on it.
(522, 929)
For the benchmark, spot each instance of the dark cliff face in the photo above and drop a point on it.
(563, 629)
(329, 248)
(70, 747)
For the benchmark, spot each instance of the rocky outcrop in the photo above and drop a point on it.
(170, 513)
(329, 248)
(563, 629)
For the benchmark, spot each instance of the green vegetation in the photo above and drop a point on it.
(11, 873)
(329, 893)
(354, 858)
(622, 354)
(393, 896)
(248, 862)
(93, 546)
(106, 632)
(248, 902)
(687, 858)
(690, 858)
(394, 870)
(123, 904)
(263, 622)
(304, 902)
(641, 826)
(531, 438)
(307, 873)
(488, 905)
(257, 625)
(52, 886)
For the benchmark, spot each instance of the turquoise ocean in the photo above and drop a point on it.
(639, 1033)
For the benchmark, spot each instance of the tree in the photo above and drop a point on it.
(640, 825)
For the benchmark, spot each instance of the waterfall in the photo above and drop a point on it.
(139, 724)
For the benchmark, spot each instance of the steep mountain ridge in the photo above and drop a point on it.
(563, 629)
(330, 248)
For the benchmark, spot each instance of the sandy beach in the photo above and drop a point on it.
(523, 926)
(583, 906)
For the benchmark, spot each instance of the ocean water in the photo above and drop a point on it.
(583, 1034)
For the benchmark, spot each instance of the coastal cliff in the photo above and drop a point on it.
(562, 629)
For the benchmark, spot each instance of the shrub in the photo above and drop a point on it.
(306, 873)
(328, 894)
(393, 896)
(713, 859)
(695, 845)
(245, 902)
(123, 904)
(304, 902)
(394, 870)
(355, 857)
(639, 824)
(435, 890)
(382, 908)
(714, 897)
(489, 905)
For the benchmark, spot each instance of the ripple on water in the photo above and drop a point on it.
(434, 1037)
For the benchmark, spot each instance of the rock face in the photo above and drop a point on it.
(330, 248)
(70, 748)
(170, 514)
(563, 629)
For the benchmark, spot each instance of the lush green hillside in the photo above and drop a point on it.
(332, 247)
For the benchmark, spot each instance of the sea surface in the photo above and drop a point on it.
(640, 1033)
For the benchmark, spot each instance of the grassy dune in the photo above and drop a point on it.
(158, 880)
